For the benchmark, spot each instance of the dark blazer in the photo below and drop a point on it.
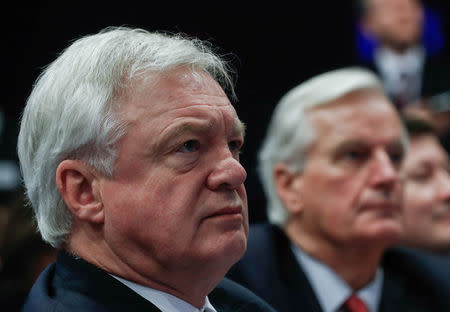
(75, 285)
(412, 281)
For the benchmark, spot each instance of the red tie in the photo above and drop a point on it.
(354, 304)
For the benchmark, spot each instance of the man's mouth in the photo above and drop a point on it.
(383, 206)
(227, 211)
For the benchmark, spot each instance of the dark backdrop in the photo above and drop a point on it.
(275, 46)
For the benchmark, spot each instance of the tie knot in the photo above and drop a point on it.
(355, 304)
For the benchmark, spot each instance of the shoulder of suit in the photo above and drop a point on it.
(231, 296)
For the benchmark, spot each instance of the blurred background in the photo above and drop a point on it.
(272, 46)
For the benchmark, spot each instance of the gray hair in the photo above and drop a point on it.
(70, 113)
(290, 132)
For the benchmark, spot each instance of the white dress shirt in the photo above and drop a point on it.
(331, 290)
(401, 72)
(164, 301)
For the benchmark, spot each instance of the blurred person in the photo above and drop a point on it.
(426, 202)
(408, 69)
(434, 110)
(329, 166)
(129, 149)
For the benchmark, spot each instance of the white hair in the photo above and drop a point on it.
(70, 113)
(290, 132)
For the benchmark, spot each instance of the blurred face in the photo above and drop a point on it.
(426, 206)
(177, 197)
(349, 188)
(397, 23)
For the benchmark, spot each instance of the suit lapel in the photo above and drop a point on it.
(99, 290)
(298, 288)
(405, 286)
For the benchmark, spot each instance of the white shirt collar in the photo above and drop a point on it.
(331, 290)
(164, 301)
(401, 73)
(411, 61)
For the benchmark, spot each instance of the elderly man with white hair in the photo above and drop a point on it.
(129, 148)
(329, 165)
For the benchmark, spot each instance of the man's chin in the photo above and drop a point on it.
(230, 249)
(387, 233)
(236, 245)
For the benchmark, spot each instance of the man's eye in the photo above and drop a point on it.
(396, 157)
(354, 155)
(421, 175)
(234, 145)
(189, 146)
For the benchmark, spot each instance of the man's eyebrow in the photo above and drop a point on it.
(194, 127)
(360, 144)
(168, 138)
(350, 144)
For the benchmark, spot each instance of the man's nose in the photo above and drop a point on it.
(384, 171)
(227, 173)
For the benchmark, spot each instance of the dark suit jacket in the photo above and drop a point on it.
(75, 285)
(270, 269)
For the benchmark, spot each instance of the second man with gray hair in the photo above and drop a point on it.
(329, 165)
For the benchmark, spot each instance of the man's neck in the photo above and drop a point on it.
(355, 263)
(190, 285)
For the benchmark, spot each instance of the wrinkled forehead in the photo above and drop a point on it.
(361, 103)
(180, 86)
(181, 80)
(365, 114)
(184, 100)
(189, 79)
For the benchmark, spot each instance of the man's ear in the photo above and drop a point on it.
(79, 187)
(287, 184)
